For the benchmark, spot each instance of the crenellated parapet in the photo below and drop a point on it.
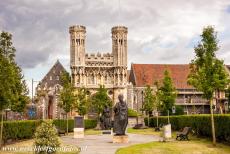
(93, 69)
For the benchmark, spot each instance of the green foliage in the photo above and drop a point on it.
(17, 130)
(100, 100)
(132, 113)
(149, 100)
(13, 89)
(201, 124)
(167, 94)
(207, 72)
(46, 137)
(179, 110)
(90, 123)
(62, 124)
(67, 97)
(82, 102)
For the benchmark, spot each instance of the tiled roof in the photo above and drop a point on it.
(148, 74)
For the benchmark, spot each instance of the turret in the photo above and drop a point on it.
(119, 45)
(77, 45)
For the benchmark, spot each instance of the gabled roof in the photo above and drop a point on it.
(148, 74)
(52, 78)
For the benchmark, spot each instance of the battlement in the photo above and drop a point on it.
(98, 56)
(119, 29)
(77, 28)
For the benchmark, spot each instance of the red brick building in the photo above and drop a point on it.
(147, 74)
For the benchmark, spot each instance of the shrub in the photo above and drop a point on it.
(90, 123)
(201, 124)
(132, 113)
(24, 129)
(179, 110)
(17, 130)
(46, 138)
(61, 123)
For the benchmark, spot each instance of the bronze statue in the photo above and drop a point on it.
(106, 119)
(120, 116)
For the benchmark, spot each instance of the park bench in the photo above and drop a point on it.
(60, 131)
(184, 134)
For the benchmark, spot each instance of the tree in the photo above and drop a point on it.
(149, 101)
(46, 138)
(100, 100)
(207, 73)
(13, 89)
(66, 96)
(167, 94)
(82, 102)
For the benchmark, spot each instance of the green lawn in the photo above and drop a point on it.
(147, 131)
(194, 146)
(92, 132)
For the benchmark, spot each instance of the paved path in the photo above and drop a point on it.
(102, 144)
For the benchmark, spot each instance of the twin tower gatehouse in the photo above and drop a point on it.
(92, 70)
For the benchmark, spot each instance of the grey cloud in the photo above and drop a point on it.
(40, 28)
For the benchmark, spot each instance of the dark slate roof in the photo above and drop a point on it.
(52, 78)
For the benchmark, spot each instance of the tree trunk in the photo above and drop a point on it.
(157, 120)
(212, 123)
(148, 120)
(1, 142)
(67, 124)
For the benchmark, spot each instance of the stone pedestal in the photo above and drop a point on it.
(120, 139)
(78, 133)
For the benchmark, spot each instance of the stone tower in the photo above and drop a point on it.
(95, 69)
(77, 45)
(77, 52)
(119, 45)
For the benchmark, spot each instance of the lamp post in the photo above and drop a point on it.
(7, 110)
(142, 93)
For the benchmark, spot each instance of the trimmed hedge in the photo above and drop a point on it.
(17, 130)
(89, 123)
(24, 129)
(132, 113)
(201, 124)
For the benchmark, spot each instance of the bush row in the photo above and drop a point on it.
(17, 130)
(201, 124)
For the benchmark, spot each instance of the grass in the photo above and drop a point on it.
(92, 132)
(176, 147)
(194, 146)
(147, 131)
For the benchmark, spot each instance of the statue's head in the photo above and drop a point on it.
(120, 97)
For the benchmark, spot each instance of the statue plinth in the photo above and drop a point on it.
(120, 139)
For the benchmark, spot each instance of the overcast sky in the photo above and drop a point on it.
(160, 31)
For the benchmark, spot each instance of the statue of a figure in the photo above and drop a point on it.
(120, 116)
(106, 119)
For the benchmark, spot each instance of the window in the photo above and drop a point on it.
(90, 79)
(50, 77)
(57, 77)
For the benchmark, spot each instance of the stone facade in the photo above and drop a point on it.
(92, 70)
(47, 93)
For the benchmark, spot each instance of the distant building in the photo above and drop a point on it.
(47, 93)
(147, 74)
